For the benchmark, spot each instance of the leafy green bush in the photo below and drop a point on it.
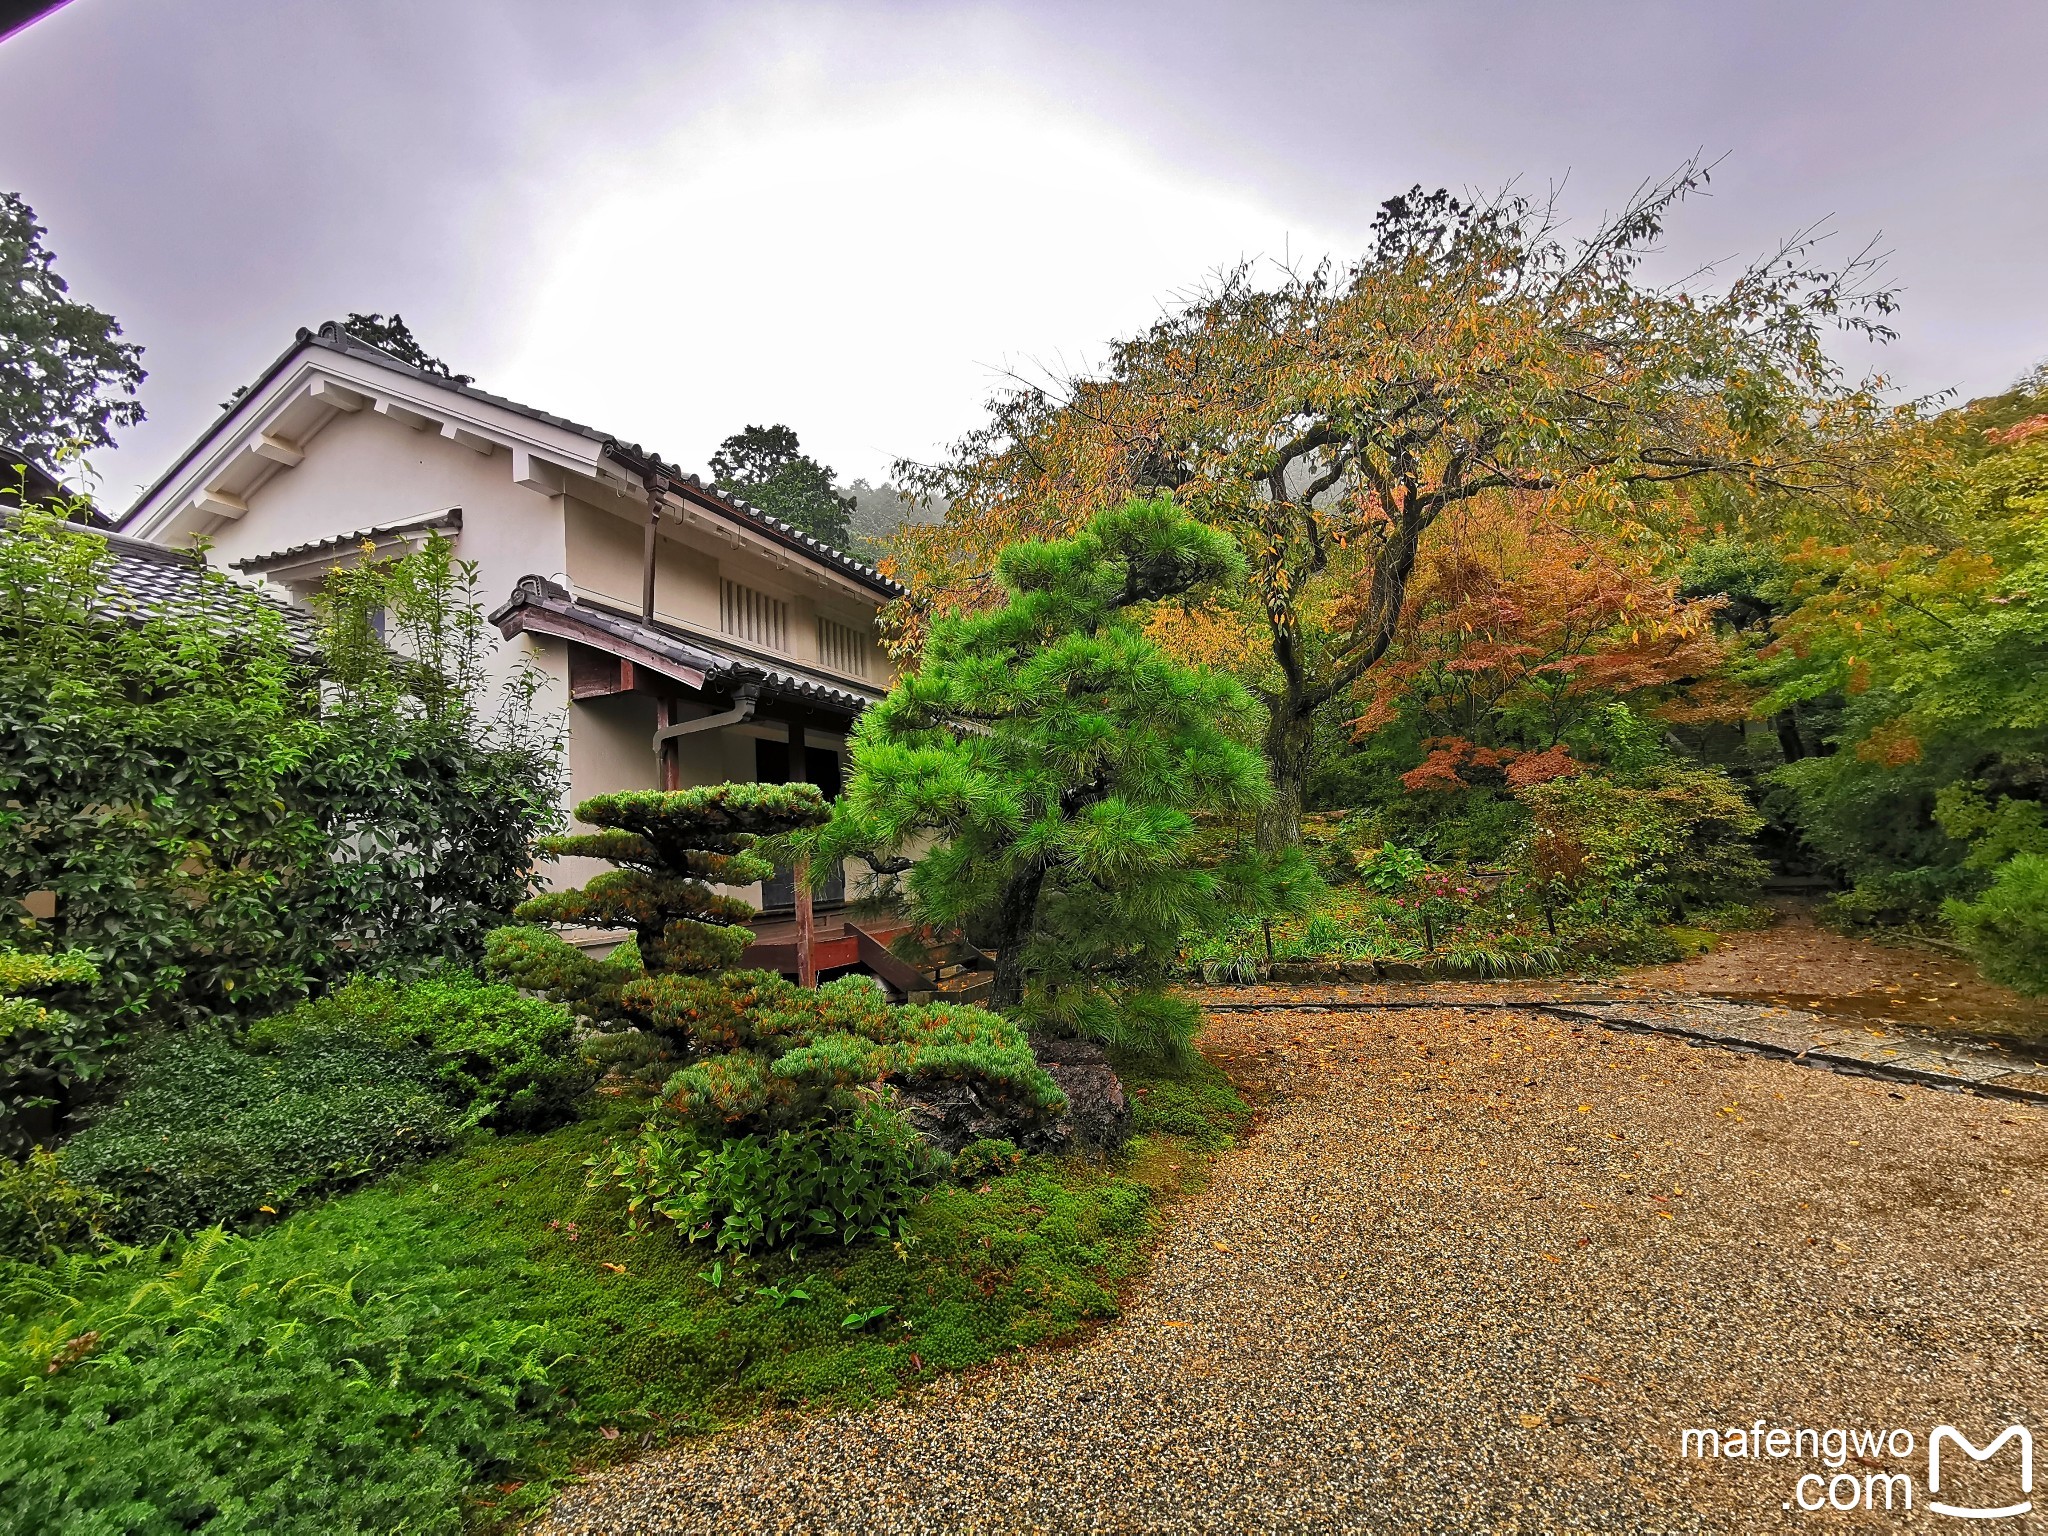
(1671, 840)
(148, 779)
(43, 1214)
(1391, 869)
(505, 1056)
(430, 791)
(2006, 928)
(751, 1192)
(44, 1050)
(208, 1132)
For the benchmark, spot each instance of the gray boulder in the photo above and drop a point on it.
(950, 1113)
(1098, 1114)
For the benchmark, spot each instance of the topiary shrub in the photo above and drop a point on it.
(800, 1091)
(2006, 928)
(777, 1077)
(506, 1057)
(670, 845)
(785, 1058)
(210, 1133)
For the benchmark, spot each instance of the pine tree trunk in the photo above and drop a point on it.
(1014, 916)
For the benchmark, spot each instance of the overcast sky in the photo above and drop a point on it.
(670, 220)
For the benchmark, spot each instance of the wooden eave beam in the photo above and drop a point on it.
(529, 621)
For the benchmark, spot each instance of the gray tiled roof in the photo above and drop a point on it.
(450, 518)
(149, 581)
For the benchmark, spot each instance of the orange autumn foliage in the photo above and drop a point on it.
(1517, 626)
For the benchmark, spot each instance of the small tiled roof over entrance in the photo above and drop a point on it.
(697, 662)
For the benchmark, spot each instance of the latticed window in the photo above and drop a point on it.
(752, 616)
(842, 648)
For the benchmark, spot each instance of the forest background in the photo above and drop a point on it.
(1580, 608)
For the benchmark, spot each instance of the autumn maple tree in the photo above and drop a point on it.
(1518, 627)
(1329, 417)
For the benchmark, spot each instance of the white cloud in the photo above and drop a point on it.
(859, 267)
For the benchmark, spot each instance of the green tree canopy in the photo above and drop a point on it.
(393, 335)
(66, 377)
(768, 468)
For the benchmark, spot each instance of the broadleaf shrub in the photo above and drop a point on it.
(824, 1184)
(43, 1214)
(208, 1132)
(507, 1057)
(1671, 840)
(147, 780)
(45, 1050)
(219, 832)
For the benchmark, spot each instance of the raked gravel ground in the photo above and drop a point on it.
(1474, 1272)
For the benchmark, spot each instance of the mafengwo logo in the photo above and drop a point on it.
(1872, 1469)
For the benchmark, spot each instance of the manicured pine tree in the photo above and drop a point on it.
(762, 1054)
(1036, 781)
(671, 845)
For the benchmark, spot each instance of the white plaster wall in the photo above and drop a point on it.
(364, 469)
(606, 544)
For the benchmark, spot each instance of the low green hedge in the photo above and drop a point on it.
(208, 1132)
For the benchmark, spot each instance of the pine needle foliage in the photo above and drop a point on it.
(1046, 764)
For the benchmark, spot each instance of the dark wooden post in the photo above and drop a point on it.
(806, 930)
(670, 761)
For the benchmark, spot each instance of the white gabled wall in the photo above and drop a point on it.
(358, 460)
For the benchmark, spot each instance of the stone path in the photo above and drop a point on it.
(1476, 1272)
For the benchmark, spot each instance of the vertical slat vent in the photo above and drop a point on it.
(752, 616)
(842, 648)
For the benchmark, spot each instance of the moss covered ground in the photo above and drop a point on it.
(438, 1350)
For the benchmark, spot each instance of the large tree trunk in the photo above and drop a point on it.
(1290, 734)
(1014, 915)
(1790, 742)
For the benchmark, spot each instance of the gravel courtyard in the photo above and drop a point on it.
(1474, 1272)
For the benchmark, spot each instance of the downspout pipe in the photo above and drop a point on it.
(741, 712)
(657, 485)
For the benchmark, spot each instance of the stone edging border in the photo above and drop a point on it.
(1811, 1056)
